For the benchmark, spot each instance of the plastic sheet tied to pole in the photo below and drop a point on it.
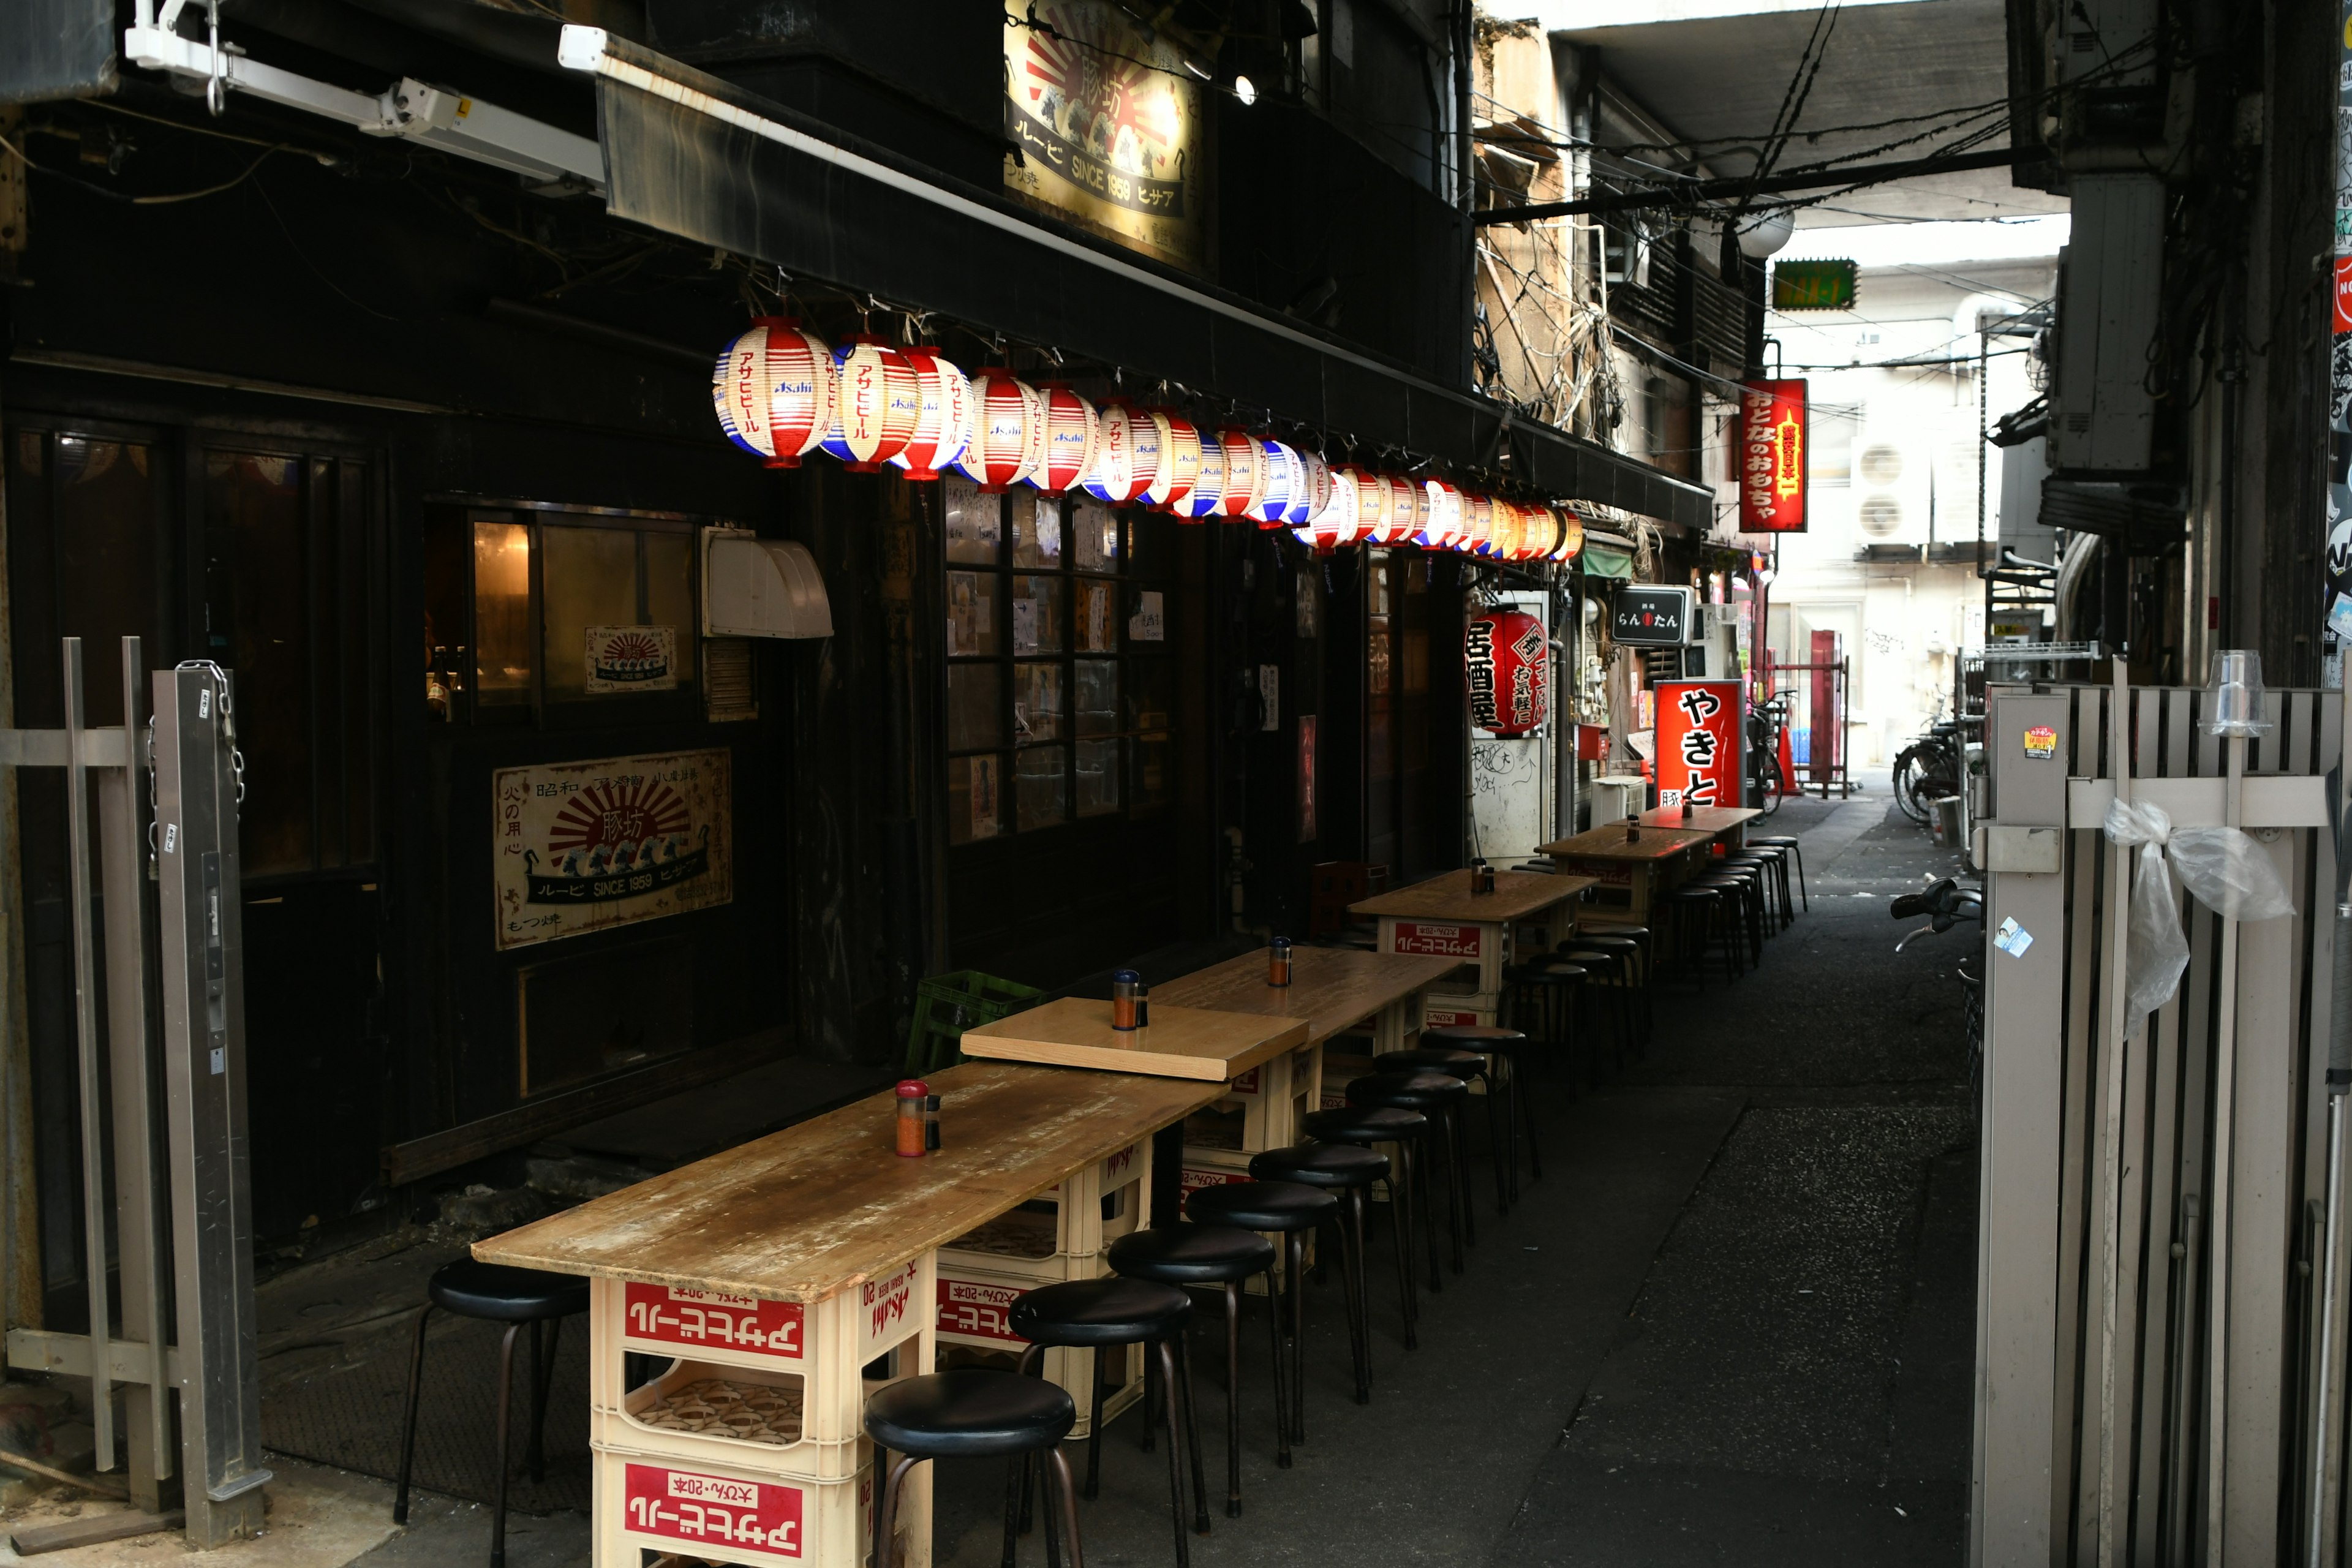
(2222, 869)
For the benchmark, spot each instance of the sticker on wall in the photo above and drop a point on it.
(1150, 622)
(2013, 939)
(584, 846)
(632, 658)
(2041, 742)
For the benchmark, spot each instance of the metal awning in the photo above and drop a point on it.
(692, 155)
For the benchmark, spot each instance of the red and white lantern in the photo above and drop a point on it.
(1244, 474)
(943, 417)
(773, 390)
(879, 405)
(1315, 491)
(1207, 497)
(1508, 665)
(1285, 478)
(1072, 429)
(1128, 452)
(1179, 461)
(1335, 521)
(1443, 522)
(1571, 535)
(1477, 526)
(1008, 432)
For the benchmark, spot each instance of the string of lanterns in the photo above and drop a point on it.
(781, 392)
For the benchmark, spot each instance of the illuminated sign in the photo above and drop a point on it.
(1772, 457)
(1699, 742)
(1814, 285)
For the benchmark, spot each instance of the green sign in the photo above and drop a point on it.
(1813, 286)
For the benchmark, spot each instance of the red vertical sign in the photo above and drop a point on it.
(1699, 742)
(1772, 442)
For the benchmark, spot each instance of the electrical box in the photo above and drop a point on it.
(2102, 413)
(754, 587)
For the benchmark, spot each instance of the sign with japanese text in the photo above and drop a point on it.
(1103, 120)
(632, 658)
(582, 846)
(974, 1309)
(1699, 742)
(1772, 454)
(1440, 939)
(1651, 614)
(883, 1309)
(664, 1315)
(742, 1516)
(1815, 285)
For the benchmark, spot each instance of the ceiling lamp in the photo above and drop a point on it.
(773, 390)
(1285, 476)
(1760, 234)
(1207, 497)
(1008, 433)
(1179, 461)
(943, 420)
(1072, 429)
(878, 406)
(1244, 477)
(1128, 451)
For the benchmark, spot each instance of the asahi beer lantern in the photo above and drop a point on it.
(879, 406)
(773, 390)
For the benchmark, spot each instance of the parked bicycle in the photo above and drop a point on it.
(1764, 721)
(1930, 768)
(1946, 904)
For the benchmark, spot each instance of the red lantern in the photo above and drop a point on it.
(1244, 474)
(943, 426)
(1509, 667)
(880, 404)
(1208, 492)
(1477, 535)
(1571, 535)
(773, 389)
(1179, 461)
(1072, 427)
(1336, 520)
(1008, 433)
(1128, 452)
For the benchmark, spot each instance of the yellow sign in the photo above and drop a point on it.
(579, 847)
(1106, 121)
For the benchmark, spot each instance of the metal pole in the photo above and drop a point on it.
(2321, 1526)
(93, 1148)
(2111, 1114)
(2225, 1073)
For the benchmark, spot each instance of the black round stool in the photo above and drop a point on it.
(1290, 1210)
(1789, 843)
(1338, 1168)
(502, 1295)
(1438, 1096)
(1102, 1315)
(1213, 1255)
(1467, 1063)
(1502, 1049)
(1361, 1127)
(1630, 945)
(1698, 910)
(975, 1413)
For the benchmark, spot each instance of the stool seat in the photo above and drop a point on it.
(1321, 1165)
(1365, 1124)
(1192, 1254)
(1407, 1092)
(1261, 1205)
(1108, 1311)
(1453, 1061)
(1473, 1037)
(971, 1412)
(504, 1294)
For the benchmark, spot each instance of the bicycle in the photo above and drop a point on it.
(1947, 903)
(1764, 721)
(1927, 769)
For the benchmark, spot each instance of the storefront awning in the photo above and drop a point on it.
(1602, 560)
(692, 155)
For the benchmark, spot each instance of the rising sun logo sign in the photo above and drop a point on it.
(583, 846)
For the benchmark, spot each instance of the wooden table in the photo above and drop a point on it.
(1182, 1042)
(1640, 864)
(1442, 917)
(1728, 823)
(795, 1261)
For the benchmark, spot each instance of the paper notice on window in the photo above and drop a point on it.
(1150, 622)
(1025, 625)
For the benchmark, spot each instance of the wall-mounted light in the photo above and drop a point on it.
(1244, 89)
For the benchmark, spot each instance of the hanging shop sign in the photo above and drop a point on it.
(632, 658)
(1772, 442)
(1814, 285)
(582, 846)
(1698, 754)
(1103, 117)
(1645, 614)
(1509, 666)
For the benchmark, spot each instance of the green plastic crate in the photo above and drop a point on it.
(947, 1005)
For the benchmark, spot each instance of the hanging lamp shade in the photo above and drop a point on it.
(1371, 506)
(1413, 508)
(942, 419)
(1507, 664)
(1510, 530)
(1008, 432)
(1072, 430)
(1245, 478)
(1128, 452)
(1179, 460)
(1397, 496)
(1571, 535)
(1442, 524)
(879, 405)
(1545, 526)
(1334, 523)
(1207, 496)
(1285, 478)
(1315, 491)
(1478, 536)
(773, 390)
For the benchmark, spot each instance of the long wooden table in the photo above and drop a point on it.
(1727, 823)
(795, 1262)
(1331, 989)
(1442, 918)
(1638, 865)
(1180, 1042)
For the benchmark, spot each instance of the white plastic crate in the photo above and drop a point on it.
(1071, 1222)
(733, 1513)
(1262, 1109)
(974, 1315)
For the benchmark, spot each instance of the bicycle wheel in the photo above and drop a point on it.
(1910, 766)
(1770, 789)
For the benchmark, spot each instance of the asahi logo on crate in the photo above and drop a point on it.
(1245, 1084)
(1439, 940)
(1195, 1178)
(885, 1302)
(666, 1315)
(981, 1311)
(718, 1510)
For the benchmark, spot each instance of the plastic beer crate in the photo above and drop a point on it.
(739, 1514)
(1047, 1237)
(974, 1327)
(1263, 1108)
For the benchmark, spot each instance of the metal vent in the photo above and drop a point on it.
(727, 693)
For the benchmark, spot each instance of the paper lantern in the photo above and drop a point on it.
(1571, 535)
(1443, 522)
(1477, 537)
(1285, 477)
(878, 406)
(1008, 432)
(1072, 428)
(1337, 521)
(1315, 491)
(1509, 666)
(1539, 532)
(1511, 530)
(1245, 478)
(1179, 460)
(1413, 507)
(773, 390)
(1207, 496)
(1128, 452)
(943, 417)
(1394, 521)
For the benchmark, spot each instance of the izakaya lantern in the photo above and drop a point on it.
(773, 390)
(1397, 500)
(1571, 535)
(1285, 477)
(1360, 494)
(1008, 432)
(1508, 525)
(1072, 427)
(1335, 522)
(1443, 523)
(1509, 669)
(1207, 497)
(1315, 491)
(879, 405)
(943, 420)
(1477, 537)
(1127, 451)
(1245, 478)
(1179, 461)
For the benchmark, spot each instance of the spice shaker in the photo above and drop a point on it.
(1126, 1000)
(1632, 828)
(1278, 962)
(913, 1093)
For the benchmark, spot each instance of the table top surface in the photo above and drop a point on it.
(1333, 988)
(1180, 1042)
(825, 1205)
(1609, 843)
(1447, 897)
(1702, 819)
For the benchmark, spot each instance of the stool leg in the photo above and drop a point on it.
(885, 1512)
(1016, 1503)
(1294, 1246)
(1093, 1429)
(1150, 1402)
(1802, 891)
(1175, 1453)
(546, 1385)
(1492, 1077)
(408, 1429)
(1360, 1305)
(1281, 1377)
(1069, 1506)
(1457, 1168)
(1192, 1433)
(506, 1391)
(1425, 1208)
(1233, 1399)
(1461, 1126)
(1401, 1242)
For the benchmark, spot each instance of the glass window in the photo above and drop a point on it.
(588, 578)
(503, 663)
(975, 707)
(1037, 706)
(256, 538)
(1097, 696)
(1037, 614)
(972, 614)
(975, 798)
(1152, 776)
(1043, 787)
(1094, 535)
(1036, 530)
(1097, 777)
(974, 526)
